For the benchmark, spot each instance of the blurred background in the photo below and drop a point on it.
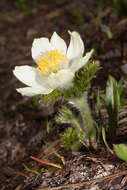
(102, 25)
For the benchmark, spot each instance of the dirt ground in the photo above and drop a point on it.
(23, 126)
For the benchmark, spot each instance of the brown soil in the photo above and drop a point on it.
(23, 126)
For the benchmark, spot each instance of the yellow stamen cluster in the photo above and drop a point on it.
(51, 62)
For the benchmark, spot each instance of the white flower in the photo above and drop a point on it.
(56, 64)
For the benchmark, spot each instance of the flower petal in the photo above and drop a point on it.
(58, 43)
(30, 91)
(30, 76)
(76, 46)
(78, 63)
(61, 79)
(40, 46)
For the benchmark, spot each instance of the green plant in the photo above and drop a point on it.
(62, 73)
(72, 136)
(67, 115)
(77, 113)
(101, 132)
(72, 139)
(112, 103)
(105, 141)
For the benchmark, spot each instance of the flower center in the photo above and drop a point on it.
(51, 62)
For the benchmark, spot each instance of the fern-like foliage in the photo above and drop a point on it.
(67, 115)
(72, 138)
(74, 135)
(82, 79)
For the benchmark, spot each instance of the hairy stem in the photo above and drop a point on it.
(82, 106)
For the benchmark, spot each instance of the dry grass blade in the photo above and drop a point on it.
(45, 163)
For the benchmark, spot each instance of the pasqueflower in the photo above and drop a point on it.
(55, 64)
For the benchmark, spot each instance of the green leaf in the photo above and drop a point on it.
(112, 102)
(98, 132)
(121, 151)
(105, 142)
